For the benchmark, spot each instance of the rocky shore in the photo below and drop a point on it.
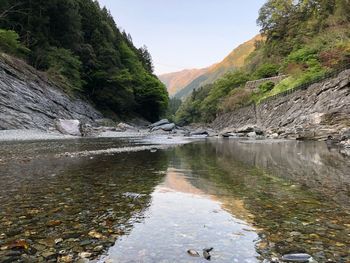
(320, 112)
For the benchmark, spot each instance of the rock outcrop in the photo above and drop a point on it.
(29, 100)
(319, 112)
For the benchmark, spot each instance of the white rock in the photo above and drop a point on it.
(70, 127)
(251, 135)
(85, 254)
(274, 136)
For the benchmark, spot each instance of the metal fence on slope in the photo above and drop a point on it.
(306, 85)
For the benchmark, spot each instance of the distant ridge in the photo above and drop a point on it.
(234, 60)
(178, 80)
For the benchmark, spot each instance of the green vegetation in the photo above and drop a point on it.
(303, 39)
(78, 43)
(204, 103)
(9, 43)
(174, 105)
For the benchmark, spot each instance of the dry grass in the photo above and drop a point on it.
(238, 98)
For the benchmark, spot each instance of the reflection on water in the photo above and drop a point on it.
(311, 164)
(248, 200)
(182, 218)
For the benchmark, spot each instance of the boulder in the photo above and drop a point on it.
(252, 134)
(87, 130)
(159, 123)
(274, 136)
(229, 134)
(345, 134)
(69, 127)
(345, 143)
(166, 127)
(199, 133)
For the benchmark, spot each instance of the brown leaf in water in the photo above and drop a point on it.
(54, 223)
(18, 244)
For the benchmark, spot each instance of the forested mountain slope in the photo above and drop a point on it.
(233, 61)
(80, 46)
(178, 80)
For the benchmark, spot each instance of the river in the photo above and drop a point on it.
(249, 200)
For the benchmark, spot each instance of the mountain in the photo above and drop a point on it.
(233, 61)
(178, 80)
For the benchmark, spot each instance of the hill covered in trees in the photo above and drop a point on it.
(232, 61)
(305, 39)
(80, 47)
(176, 81)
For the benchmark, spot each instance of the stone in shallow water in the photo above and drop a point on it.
(193, 253)
(297, 257)
(85, 254)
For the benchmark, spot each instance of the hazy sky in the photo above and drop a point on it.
(186, 33)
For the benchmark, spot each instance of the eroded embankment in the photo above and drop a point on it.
(29, 100)
(320, 111)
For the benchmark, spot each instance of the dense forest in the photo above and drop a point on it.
(80, 47)
(304, 39)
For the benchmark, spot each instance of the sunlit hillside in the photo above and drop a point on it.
(233, 61)
(178, 80)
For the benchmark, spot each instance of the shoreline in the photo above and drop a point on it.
(22, 135)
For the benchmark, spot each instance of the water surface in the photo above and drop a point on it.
(249, 200)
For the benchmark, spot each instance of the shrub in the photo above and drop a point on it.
(267, 86)
(9, 43)
(266, 70)
(238, 98)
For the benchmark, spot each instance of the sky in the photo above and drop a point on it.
(186, 34)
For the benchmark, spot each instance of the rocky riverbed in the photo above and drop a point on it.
(116, 200)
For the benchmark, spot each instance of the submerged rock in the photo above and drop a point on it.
(206, 253)
(85, 254)
(297, 257)
(193, 253)
(208, 249)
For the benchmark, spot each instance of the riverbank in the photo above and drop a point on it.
(320, 112)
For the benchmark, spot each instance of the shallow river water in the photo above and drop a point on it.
(249, 200)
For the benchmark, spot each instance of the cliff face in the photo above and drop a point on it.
(28, 100)
(320, 111)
